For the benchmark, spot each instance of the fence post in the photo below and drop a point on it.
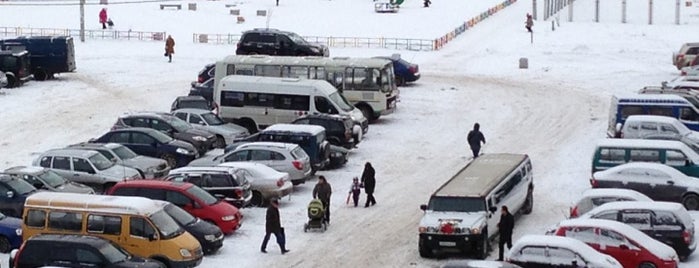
(677, 12)
(623, 11)
(534, 9)
(596, 10)
(546, 9)
(650, 12)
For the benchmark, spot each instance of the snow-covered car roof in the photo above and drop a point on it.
(640, 143)
(655, 206)
(256, 169)
(670, 171)
(657, 248)
(615, 192)
(585, 251)
(311, 129)
(653, 118)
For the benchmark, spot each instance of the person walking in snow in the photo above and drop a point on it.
(529, 23)
(369, 183)
(273, 226)
(355, 190)
(323, 191)
(505, 227)
(426, 3)
(475, 137)
(103, 18)
(169, 47)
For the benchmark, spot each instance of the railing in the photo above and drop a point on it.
(357, 42)
(90, 34)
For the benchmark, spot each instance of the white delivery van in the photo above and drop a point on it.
(257, 102)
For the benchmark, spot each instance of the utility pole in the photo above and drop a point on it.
(534, 9)
(623, 11)
(82, 21)
(677, 12)
(650, 12)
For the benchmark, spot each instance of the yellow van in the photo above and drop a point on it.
(137, 224)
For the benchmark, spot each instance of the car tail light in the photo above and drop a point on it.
(412, 69)
(297, 164)
(200, 79)
(280, 183)
(574, 212)
(594, 182)
(687, 237)
(621, 134)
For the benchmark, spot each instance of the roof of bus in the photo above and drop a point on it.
(481, 175)
(93, 203)
(312, 60)
(322, 85)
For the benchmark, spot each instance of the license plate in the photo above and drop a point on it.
(447, 243)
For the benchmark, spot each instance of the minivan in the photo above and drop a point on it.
(256, 102)
(613, 152)
(137, 224)
(623, 106)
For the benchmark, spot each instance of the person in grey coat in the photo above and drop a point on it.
(323, 191)
(475, 137)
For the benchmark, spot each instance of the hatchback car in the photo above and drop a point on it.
(54, 250)
(542, 251)
(226, 133)
(283, 157)
(47, 179)
(149, 167)
(340, 130)
(275, 42)
(13, 193)
(685, 55)
(209, 235)
(153, 143)
(188, 196)
(10, 233)
(191, 102)
(87, 167)
(658, 181)
(667, 222)
(265, 182)
(227, 183)
(403, 70)
(170, 125)
(593, 198)
(631, 247)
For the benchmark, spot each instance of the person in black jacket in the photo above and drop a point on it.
(273, 226)
(505, 227)
(369, 182)
(323, 191)
(475, 137)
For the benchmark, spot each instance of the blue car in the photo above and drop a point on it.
(153, 143)
(10, 233)
(404, 71)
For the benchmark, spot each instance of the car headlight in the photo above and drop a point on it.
(228, 218)
(183, 151)
(475, 230)
(422, 229)
(199, 138)
(18, 232)
(185, 253)
(210, 237)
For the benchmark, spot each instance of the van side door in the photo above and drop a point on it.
(142, 239)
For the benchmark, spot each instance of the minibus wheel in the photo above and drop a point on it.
(5, 246)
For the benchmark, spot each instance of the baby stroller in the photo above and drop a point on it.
(316, 214)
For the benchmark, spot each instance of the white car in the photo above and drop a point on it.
(690, 70)
(556, 251)
(265, 182)
(283, 157)
(659, 128)
(593, 198)
(658, 181)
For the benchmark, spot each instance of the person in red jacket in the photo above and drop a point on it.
(103, 18)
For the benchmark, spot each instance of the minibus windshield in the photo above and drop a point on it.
(167, 227)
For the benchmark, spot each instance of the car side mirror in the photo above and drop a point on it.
(493, 209)
(152, 237)
(671, 182)
(10, 194)
(423, 207)
(624, 246)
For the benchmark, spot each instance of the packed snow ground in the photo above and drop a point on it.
(554, 111)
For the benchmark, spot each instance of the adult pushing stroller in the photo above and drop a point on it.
(316, 214)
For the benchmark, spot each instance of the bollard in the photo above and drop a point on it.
(235, 12)
(192, 6)
(203, 38)
(523, 63)
(262, 13)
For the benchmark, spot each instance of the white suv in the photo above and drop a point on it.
(686, 55)
(283, 157)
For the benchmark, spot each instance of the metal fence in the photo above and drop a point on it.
(91, 34)
(354, 42)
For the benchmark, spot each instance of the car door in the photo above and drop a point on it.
(89, 257)
(142, 236)
(285, 46)
(666, 188)
(564, 258)
(619, 247)
(144, 144)
(61, 165)
(63, 256)
(533, 256)
(184, 202)
(239, 156)
(635, 179)
(667, 226)
(166, 128)
(639, 219)
(586, 234)
(84, 173)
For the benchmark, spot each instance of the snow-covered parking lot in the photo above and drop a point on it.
(554, 111)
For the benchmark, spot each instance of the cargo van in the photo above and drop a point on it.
(613, 152)
(137, 224)
(675, 106)
(49, 54)
(257, 102)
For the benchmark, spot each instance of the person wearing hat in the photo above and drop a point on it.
(273, 226)
(323, 191)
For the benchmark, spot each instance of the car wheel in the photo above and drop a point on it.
(400, 81)
(40, 75)
(220, 142)
(5, 246)
(646, 265)
(528, 203)
(160, 262)
(367, 112)
(483, 249)
(257, 200)
(170, 159)
(11, 80)
(691, 202)
(425, 251)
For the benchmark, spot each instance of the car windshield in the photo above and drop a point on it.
(101, 162)
(124, 153)
(178, 124)
(194, 104)
(166, 225)
(160, 137)
(212, 119)
(114, 254)
(202, 195)
(52, 178)
(180, 215)
(21, 187)
(457, 204)
(297, 39)
(341, 102)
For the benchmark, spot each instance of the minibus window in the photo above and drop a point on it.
(630, 110)
(110, 225)
(675, 158)
(644, 155)
(688, 114)
(35, 218)
(662, 111)
(166, 225)
(615, 156)
(65, 221)
(141, 228)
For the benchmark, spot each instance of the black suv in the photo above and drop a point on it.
(170, 125)
(75, 251)
(16, 67)
(276, 42)
(338, 128)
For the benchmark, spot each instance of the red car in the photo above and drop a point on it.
(629, 246)
(188, 196)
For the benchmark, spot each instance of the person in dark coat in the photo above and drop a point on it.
(323, 191)
(426, 3)
(273, 226)
(475, 137)
(369, 182)
(169, 47)
(529, 23)
(505, 227)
